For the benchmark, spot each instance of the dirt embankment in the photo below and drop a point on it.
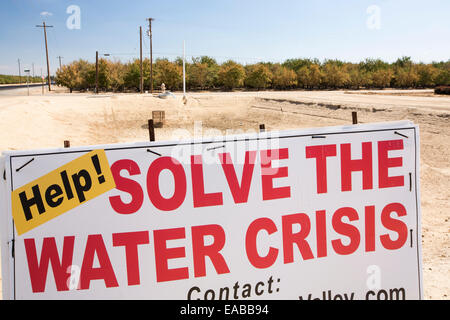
(46, 121)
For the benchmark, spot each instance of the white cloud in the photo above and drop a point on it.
(46, 14)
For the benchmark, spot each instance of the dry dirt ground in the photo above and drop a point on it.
(34, 122)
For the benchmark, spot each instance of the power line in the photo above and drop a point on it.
(190, 55)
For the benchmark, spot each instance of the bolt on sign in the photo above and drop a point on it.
(328, 213)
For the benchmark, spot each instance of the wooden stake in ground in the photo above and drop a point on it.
(355, 117)
(262, 128)
(151, 130)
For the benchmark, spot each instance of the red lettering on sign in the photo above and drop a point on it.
(239, 192)
(127, 185)
(394, 225)
(299, 238)
(202, 199)
(369, 221)
(320, 153)
(251, 245)
(268, 173)
(345, 229)
(131, 240)
(321, 233)
(384, 163)
(49, 254)
(201, 251)
(164, 254)
(349, 165)
(154, 192)
(96, 246)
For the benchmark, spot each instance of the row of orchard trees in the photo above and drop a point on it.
(10, 79)
(205, 73)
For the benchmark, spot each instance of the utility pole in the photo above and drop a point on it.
(96, 68)
(141, 82)
(20, 76)
(184, 72)
(96, 71)
(151, 53)
(46, 51)
(59, 57)
(27, 71)
(32, 68)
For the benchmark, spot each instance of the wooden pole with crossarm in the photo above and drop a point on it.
(46, 52)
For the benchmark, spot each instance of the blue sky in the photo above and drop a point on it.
(247, 31)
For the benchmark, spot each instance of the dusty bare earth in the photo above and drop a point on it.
(37, 121)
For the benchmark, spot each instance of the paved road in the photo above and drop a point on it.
(18, 86)
(20, 90)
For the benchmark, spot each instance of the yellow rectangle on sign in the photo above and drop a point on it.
(61, 190)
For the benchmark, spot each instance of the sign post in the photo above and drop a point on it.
(27, 71)
(327, 213)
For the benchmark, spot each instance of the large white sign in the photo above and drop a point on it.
(329, 213)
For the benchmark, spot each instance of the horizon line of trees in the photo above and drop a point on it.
(204, 73)
(13, 79)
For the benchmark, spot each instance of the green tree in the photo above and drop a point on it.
(197, 75)
(381, 78)
(258, 76)
(335, 74)
(403, 63)
(169, 73)
(87, 74)
(443, 76)
(310, 77)
(132, 75)
(405, 75)
(372, 65)
(304, 77)
(297, 64)
(231, 75)
(68, 76)
(406, 78)
(78, 75)
(117, 72)
(212, 77)
(282, 77)
(103, 75)
(427, 75)
(357, 77)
